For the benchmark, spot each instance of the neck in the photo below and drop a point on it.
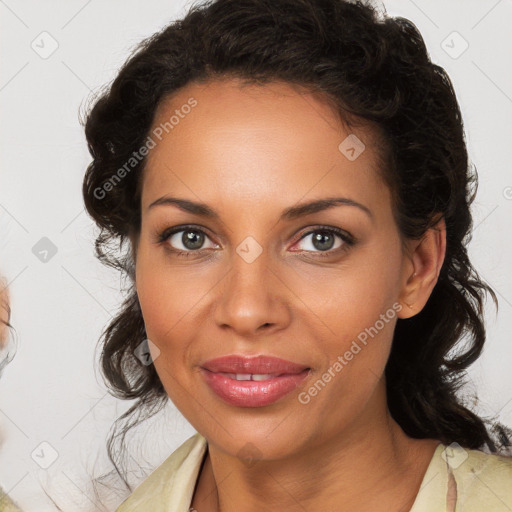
(370, 466)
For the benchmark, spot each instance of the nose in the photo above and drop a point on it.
(252, 300)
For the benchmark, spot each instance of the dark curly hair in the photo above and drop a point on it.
(372, 69)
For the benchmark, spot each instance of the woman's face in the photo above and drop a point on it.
(249, 280)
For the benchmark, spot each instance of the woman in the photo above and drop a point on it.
(290, 188)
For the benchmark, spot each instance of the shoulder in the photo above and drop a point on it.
(483, 481)
(170, 486)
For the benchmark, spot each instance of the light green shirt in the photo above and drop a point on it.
(480, 482)
(6, 504)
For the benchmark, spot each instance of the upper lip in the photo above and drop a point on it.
(266, 365)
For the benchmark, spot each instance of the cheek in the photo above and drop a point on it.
(360, 314)
(164, 309)
(171, 298)
(359, 306)
(165, 295)
(352, 296)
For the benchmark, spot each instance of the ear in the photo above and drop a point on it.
(424, 261)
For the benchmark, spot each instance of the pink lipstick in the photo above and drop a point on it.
(252, 381)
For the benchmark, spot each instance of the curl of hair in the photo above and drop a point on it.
(371, 68)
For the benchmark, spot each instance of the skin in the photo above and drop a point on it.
(4, 313)
(250, 152)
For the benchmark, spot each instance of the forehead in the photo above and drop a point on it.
(257, 141)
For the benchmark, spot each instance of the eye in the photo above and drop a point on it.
(184, 240)
(326, 240)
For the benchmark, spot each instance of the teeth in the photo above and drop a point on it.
(249, 376)
(262, 376)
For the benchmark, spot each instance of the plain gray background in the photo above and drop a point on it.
(55, 54)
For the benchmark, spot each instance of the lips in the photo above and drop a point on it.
(253, 365)
(252, 381)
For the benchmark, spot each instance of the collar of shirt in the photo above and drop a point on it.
(457, 479)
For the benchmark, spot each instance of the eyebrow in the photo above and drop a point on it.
(291, 213)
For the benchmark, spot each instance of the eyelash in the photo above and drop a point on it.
(348, 240)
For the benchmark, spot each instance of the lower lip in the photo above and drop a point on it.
(252, 393)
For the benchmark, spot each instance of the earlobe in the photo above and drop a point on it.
(426, 257)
